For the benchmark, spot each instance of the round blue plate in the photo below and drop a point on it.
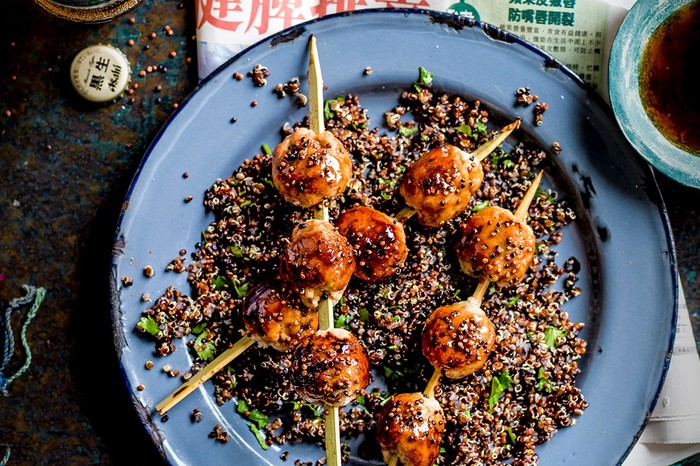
(625, 57)
(621, 236)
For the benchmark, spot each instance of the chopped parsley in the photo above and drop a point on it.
(204, 348)
(551, 334)
(328, 112)
(481, 205)
(498, 384)
(407, 131)
(511, 435)
(258, 436)
(501, 157)
(148, 325)
(543, 383)
(266, 149)
(342, 322)
(425, 79)
(464, 129)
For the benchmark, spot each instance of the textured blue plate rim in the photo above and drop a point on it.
(625, 56)
(290, 35)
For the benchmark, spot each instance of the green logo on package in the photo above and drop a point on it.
(462, 8)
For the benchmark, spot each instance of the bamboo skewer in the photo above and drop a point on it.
(480, 291)
(204, 374)
(325, 308)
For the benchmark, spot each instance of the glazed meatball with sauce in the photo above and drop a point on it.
(496, 245)
(440, 184)
(330, 368)
(411, 426)
(378, 239)
(317, 262)
(458, 338)
(308, 167)
(274, 316)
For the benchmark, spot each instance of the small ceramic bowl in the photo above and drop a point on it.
(625, 59)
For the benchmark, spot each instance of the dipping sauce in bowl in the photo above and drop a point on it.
(669, 78)
(654, 85)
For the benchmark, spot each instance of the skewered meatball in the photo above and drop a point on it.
(317, 261)
(330, 368)
(411, 426)
(379, 241)
(496, 245)
(308, 167)
(458, 338)
(439, 185)
(274, 316)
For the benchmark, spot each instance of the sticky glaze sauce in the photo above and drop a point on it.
(669, 78)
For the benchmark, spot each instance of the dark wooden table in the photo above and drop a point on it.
(65, 166)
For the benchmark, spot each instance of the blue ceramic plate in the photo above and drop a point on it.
(621, 236)
(625, 57)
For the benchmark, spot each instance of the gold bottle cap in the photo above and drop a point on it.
(100, 73)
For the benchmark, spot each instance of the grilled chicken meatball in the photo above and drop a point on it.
(379, 241)
(274, 316)
(330, 368)
(308, 167)
(439, 185)
(317, 261)
(411, 427)
(458, 338)
(496, 245)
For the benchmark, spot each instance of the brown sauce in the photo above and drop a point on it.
(669, 78)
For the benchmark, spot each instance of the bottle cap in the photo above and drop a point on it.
(100, 73)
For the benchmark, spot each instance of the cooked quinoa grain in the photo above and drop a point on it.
(537, 347)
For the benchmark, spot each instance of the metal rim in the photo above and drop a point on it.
(97, 14)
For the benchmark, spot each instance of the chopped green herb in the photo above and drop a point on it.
(456, 295)
(551, 334)
(481, 205)
(543, 383)
(342, 322)
(502, 157)
(425, 79)
(388, 372)
(235, 250)
(328, 112)
(547, 195)
(361, 400)
(259, 418)
(197, 329)
(242, 407)
(364, 315)
(246, 203)
(464, 129)
(392, 347)
(242, 290)
(269, 183)
(258, 435)
(148, 325)
(513, 300)
(511, 435)
(386, 196)
(204, 348)
(266, 149)
(481, 129)
(407, 132)
(219, 282)
(498, 384)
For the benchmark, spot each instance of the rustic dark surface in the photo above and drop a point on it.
(65, 166)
